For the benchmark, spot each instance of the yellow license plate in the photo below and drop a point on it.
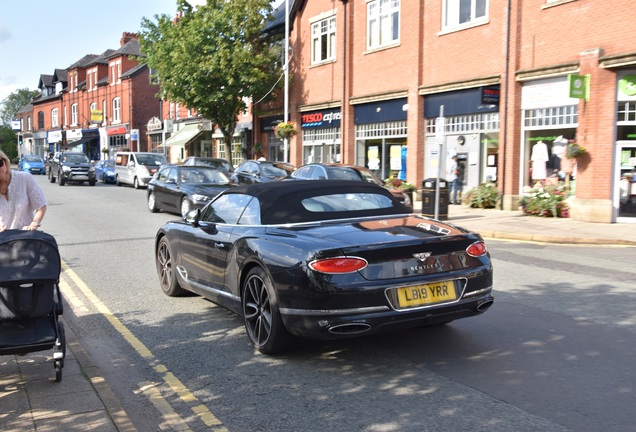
(426, 294)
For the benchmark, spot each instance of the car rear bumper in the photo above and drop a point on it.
(342, 324)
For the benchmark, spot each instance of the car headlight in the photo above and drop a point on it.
(91, 169)
(66, 168)
(407, 200)
(199, 198)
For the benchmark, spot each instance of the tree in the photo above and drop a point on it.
(212, 57)
(8, 142)
(14, 103)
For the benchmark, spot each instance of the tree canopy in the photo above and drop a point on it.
(212, 57)
(14, 103)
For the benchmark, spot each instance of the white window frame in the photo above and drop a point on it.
(55, 117)
(74, 114)
(116, 110)
(323, 37)
(381, 31)
(452, 14)
(104, 112)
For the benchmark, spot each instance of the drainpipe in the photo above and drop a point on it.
(344, 83)
(505, 109)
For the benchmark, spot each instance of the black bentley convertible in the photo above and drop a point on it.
(324, 260)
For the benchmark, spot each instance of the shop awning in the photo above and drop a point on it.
(184, 136)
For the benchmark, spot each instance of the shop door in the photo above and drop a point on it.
(626, 173)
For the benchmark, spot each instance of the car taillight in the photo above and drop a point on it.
(338, 265)
(476, 249)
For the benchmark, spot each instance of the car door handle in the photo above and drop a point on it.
(219, 246)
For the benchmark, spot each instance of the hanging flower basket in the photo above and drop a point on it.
(574, 150)
(285, 130)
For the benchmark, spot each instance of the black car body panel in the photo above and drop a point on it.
(173, 184)
(404, 252)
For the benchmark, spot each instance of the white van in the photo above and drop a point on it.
(137, 168)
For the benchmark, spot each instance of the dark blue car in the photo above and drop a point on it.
(105, 171)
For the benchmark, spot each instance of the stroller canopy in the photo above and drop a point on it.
(28, 256)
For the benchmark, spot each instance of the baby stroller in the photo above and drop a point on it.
(30, 298)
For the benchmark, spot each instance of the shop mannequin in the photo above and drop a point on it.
(539, 158)
(558, 149)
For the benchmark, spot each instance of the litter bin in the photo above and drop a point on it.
(428, 198)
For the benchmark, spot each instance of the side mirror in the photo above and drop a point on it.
(193, 217)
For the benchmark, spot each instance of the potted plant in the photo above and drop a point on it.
(574, 150)
(285, 130)
(485, 195)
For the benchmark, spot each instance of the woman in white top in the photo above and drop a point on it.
(22, 202)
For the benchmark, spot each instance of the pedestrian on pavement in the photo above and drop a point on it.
(453, 181)
(22, 202)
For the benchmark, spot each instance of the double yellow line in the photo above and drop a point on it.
(147, 388)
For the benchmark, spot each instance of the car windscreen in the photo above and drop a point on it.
(151, 160)
(33, 159)
(76, 158)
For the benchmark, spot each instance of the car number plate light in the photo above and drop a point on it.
(425, 294)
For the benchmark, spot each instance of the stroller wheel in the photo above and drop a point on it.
(58, 370)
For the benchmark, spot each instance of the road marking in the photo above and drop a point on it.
(172, 381)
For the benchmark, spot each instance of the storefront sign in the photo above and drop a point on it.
(549, 92)
(119, 130)
(268, 124)
(579, 86)
(321, 119)
(54, 137)
(490, 95)
(627, 86)
(154, 124)
(73, 135)
(96, 116)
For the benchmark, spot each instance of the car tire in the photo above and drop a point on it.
(136, 183)
(51, 177)
(263, 323)
(62, 181)
(186, 206)
(92, 182)
(167, 270)
(152, 203)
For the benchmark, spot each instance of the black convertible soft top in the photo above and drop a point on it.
(281, 201)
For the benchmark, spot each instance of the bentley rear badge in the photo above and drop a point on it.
(422, 256)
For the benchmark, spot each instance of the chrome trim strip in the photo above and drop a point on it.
(478, 292)
(214, 291)
(310, 312)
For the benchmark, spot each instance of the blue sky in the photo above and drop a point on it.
(37, 37)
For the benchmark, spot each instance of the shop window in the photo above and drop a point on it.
(464, 13)
(383, 23)
(323, 40)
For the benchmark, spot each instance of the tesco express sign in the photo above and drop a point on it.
(317, 119)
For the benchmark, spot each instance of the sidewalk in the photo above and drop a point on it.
(32, 401)
(514, 225)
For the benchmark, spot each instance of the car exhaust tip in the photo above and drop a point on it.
(483, 307)
(349, 328)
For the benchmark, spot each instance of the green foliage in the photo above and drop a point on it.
(8, 142)
(485, 195)
(212, 57)
(547, 201)
(574, 150)
(14, 103)
(395, 183)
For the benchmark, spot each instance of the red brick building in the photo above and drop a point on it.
(94, 105)
(509, 78)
